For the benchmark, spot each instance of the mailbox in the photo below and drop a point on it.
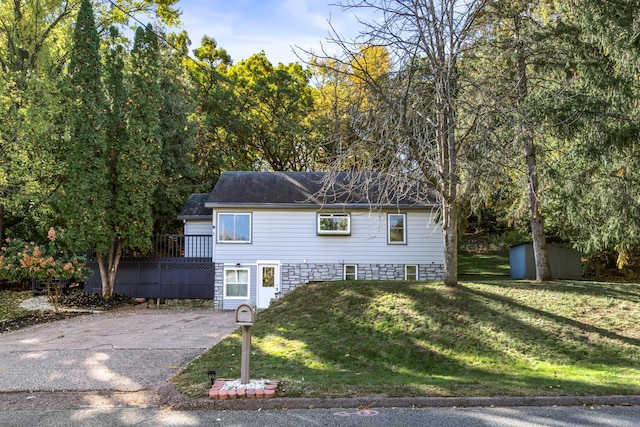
(245, 314)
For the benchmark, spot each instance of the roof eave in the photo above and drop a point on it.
(203, 217)
(317, 206)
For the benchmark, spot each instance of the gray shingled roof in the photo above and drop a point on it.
(194, 208)
(302, 189)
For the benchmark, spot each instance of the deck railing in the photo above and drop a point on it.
(171, 246)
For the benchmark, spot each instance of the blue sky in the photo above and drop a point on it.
(245, 27)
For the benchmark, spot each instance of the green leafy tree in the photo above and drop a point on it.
(178, 172)
(515, 62)
(114, 147)
(35, 42)
(87, 190)
(216, 122)
(251, 115)
(274, 106)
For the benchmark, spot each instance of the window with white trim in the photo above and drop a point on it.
(236, 283)
(350, 272)
(334, 224)
(410, 272)
(234, 227)
(397, 227)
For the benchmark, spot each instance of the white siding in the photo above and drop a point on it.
(197, 227)
(290, 237)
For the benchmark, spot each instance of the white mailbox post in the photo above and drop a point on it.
(245, 316)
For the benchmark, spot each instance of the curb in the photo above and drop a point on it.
(169, 396)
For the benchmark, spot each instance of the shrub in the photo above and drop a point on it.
(21, 260)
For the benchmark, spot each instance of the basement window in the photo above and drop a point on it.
(236, 283)
(410, 272)
(350, 272)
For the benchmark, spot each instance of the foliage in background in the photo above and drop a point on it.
(273, 104)
(35, 44)
(178, 173)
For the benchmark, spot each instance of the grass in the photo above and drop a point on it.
(483, 265)
(486, 337)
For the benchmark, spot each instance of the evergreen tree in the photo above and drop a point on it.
(177, 172)
(139, 160)
(134, 156)
(35, 43)
(114, 147)
(596, 184)
(87, 195)
(514, 60)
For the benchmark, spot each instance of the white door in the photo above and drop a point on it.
(268, 283)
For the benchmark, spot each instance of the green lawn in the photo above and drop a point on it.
(483, 265)
(494, 336)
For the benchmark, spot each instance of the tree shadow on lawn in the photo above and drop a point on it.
(447, 342)
(301, 380)
(557, 319)
(623, 291)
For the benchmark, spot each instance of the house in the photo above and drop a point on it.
(276, 230)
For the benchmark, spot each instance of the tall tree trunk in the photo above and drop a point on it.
(450, 229)
(541, 255)
(447, 165)
(109, 268)
(450, 236)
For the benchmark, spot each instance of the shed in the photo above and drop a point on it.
(566, 263)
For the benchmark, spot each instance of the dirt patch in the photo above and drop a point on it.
(81, 300)
(34, 319)
(75, 303)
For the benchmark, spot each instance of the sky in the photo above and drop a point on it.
(246, 27)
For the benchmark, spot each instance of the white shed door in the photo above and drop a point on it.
(268, 283)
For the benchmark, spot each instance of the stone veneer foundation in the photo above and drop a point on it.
(293, 275)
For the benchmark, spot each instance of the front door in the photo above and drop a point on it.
(268, 282)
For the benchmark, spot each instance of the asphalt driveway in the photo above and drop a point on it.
(120, 351)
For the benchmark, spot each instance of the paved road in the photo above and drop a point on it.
(128, 350)
(381, 417)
